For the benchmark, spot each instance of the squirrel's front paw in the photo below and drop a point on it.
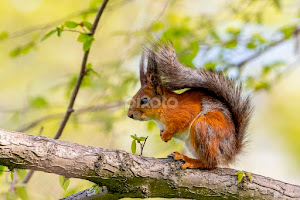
(165, 137)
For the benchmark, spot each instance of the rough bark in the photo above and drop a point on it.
(129, 175)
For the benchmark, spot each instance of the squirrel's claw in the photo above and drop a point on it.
(176, 156)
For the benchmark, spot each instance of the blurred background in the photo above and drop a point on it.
(253, 41)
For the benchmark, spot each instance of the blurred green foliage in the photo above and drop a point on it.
(222, 37)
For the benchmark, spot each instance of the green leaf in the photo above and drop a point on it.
(71, 24)
(210, 65)
(38, 102)
(48, 35)
(266, 70)
(92, 71)
(231, 44)
(157, 26)
(89, 66)
(21, 192)
(59, 31)
(194, 47)
(87, 24)
(10, 196)
(150, 125)
(3, 35)
(64, 182)
(288, 31)
(133, 146)
(259, 38)
(27, 48)
(215, 35)
(15, 52)
(251, 45)
(96, 189)
(21, 173)
(259, 17)
(86, 39)
(1, 169)
(133, 137)
(240, 178)
(277, 4)
(249, 176)
(142, 139)
(233, 30)
(176, 33)
(95, 3)
(83, 37)
(87, 44)
(261, 85)
(239, 172)
(12, 175)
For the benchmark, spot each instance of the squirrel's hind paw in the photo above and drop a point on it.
(178, 156)
(189, 162)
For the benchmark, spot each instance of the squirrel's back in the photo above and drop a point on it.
(176, 76)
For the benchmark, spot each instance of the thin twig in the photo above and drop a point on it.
(288, 69)
(259, 53)
(41, 131)
(158, 16)
(27, 177)
(71, 30)
(81, 75)
(297, 40)
(93, 108)
(143, 145)
(14, 182)
(49, 25)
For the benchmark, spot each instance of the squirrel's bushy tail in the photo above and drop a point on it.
(176, 76)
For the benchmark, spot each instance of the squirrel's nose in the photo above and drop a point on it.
(130, 115)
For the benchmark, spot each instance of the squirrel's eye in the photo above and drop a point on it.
(144, 101)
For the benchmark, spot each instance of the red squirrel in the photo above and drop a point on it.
(211, 116)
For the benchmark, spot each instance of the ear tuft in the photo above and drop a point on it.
(143, 77)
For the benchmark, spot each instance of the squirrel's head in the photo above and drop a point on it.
(147, 102)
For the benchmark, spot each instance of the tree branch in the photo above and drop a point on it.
(267, 48)
(81, 74)
(129, 175)
(89, 194)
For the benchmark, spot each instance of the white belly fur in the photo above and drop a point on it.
(184, 136)
(160, 125)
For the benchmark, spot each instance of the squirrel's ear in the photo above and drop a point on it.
(152, 75)
(156, 84)
(143, 77)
